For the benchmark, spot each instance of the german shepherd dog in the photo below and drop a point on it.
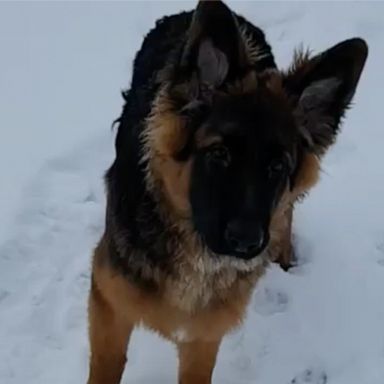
(214, 146)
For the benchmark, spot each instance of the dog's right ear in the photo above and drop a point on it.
(322, 88)
(214, 50)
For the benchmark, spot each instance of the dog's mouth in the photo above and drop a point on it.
(234, 250)
(249, 254)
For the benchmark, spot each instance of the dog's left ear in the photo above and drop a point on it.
(214, 50)
(322, 88)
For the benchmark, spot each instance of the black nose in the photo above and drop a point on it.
(245, 237)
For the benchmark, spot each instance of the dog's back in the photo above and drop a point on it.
(161, 46)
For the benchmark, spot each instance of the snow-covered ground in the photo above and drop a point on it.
(62, 66)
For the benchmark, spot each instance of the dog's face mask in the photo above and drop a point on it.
(249, 133)
(244, 164)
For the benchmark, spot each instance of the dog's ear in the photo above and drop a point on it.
(322, 88)
(214, 50)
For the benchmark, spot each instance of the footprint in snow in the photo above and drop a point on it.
(380, 249)
(236, 339)
(242, 362)
(270, 301)
(3, 295)
(310, 376)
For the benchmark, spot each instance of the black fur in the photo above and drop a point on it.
(265, 134)
(260, 136)
(131, 209)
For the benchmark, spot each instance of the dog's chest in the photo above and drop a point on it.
(198, 289)
(202, 305)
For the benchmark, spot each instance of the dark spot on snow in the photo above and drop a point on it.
(4, 295)
(269, 301)
(310, 376)
(90, 198)
(380, 249)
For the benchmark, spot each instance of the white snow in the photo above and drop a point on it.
(62, 66)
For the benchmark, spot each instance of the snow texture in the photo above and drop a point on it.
(62, 66)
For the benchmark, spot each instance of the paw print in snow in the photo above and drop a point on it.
(269, 301)
(3, 295)
(236, 340)
(242, 362)
(310, 376)
(380, 249)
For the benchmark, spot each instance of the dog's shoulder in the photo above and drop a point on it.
(167, 36)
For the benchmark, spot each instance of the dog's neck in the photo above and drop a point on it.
(173, 261)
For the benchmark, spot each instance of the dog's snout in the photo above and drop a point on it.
(245, 238)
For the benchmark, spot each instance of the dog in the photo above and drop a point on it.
(214, 146)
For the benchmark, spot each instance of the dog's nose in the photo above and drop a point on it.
(244, 237)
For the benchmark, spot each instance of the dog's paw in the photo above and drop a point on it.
(287, 259)
(310, 376)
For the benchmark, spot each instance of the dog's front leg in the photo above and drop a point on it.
(109, 334)
(196, 361)
(286, 257)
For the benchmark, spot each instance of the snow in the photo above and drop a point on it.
(61, 69)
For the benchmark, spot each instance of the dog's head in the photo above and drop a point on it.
(228, 143)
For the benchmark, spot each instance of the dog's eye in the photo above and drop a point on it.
(275, 168)
(219, 154)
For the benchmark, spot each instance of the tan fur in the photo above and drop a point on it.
(176, 180)
(197, 360)
(308, 174)
(109, 333)
(157, 312)
(194, 311)
(166, 134)
(273, 81)
(286, 257)
(117, 305)
(253, 52)
(301, 59)
(207, 295)
(245, 85)
(163, 276)
(281, 249)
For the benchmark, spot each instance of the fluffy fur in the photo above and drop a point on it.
(202, 81)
